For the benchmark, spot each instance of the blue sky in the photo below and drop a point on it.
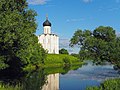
(67, 16)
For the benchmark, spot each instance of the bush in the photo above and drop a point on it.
(63, 51)
(66, 61)
(112, 84)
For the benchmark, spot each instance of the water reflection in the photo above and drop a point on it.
(79, 79)
(87, 75)
(52, 82)
(71, 78)
(93, 72)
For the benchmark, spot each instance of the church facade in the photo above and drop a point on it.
(49, 41)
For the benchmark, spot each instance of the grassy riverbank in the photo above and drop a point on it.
(57, 60)
(111, 84)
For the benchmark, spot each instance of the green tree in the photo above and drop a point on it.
(63, 51)
(79, 37)
(75, 55)
(105, 33)
(100, 45)
(18, 44)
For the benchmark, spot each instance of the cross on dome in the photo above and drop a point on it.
(47, 22)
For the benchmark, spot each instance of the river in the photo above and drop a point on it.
(80, 79)
(63, 78)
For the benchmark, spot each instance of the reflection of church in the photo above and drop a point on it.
(52, 82)
(49, 40)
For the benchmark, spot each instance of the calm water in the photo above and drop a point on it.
(79, 78)
(87, 75)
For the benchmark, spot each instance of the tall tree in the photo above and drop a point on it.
(18, 44)
(100, 45)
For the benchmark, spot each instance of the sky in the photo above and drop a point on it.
(67, 16)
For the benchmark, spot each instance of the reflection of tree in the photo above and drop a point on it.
(11, 75)
(28, 81)
(68, 68)
(34, 80)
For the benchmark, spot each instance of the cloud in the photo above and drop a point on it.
(64, 43)
(109, 8)
(113, 9)
(118, 34)
(74, 20)
(37, 2)
(87, 1)
(51, 5)
(105, 72)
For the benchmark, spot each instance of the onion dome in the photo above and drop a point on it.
(47, 22)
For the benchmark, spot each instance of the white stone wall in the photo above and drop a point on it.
(47, 29)
(50, 42)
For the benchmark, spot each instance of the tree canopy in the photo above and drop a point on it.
(18, 43)
(63, 51)
(101, 44)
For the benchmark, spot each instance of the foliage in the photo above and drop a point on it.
(53, 60)
(100, 45)
(31, 81)
(63, 51)
(34, 80)
(66, 61)
(112, 84)
(8, 87)
(75, 55)
(18, 44)
(79, 37)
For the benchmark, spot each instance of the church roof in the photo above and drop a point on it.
(47, 22)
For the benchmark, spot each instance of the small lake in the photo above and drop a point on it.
(80, 79)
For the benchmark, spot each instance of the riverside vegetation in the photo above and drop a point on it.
(61, 60)
(57, 60)
(100, 45)
(20, 50)
(112, 84)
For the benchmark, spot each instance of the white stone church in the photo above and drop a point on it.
(49, 41)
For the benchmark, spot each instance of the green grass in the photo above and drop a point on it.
(111, 84)
(9, 87)
(57, 60)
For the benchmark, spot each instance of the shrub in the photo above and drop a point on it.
(111, 84)
(66, 61)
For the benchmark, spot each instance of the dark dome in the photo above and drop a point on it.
(46, 23)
